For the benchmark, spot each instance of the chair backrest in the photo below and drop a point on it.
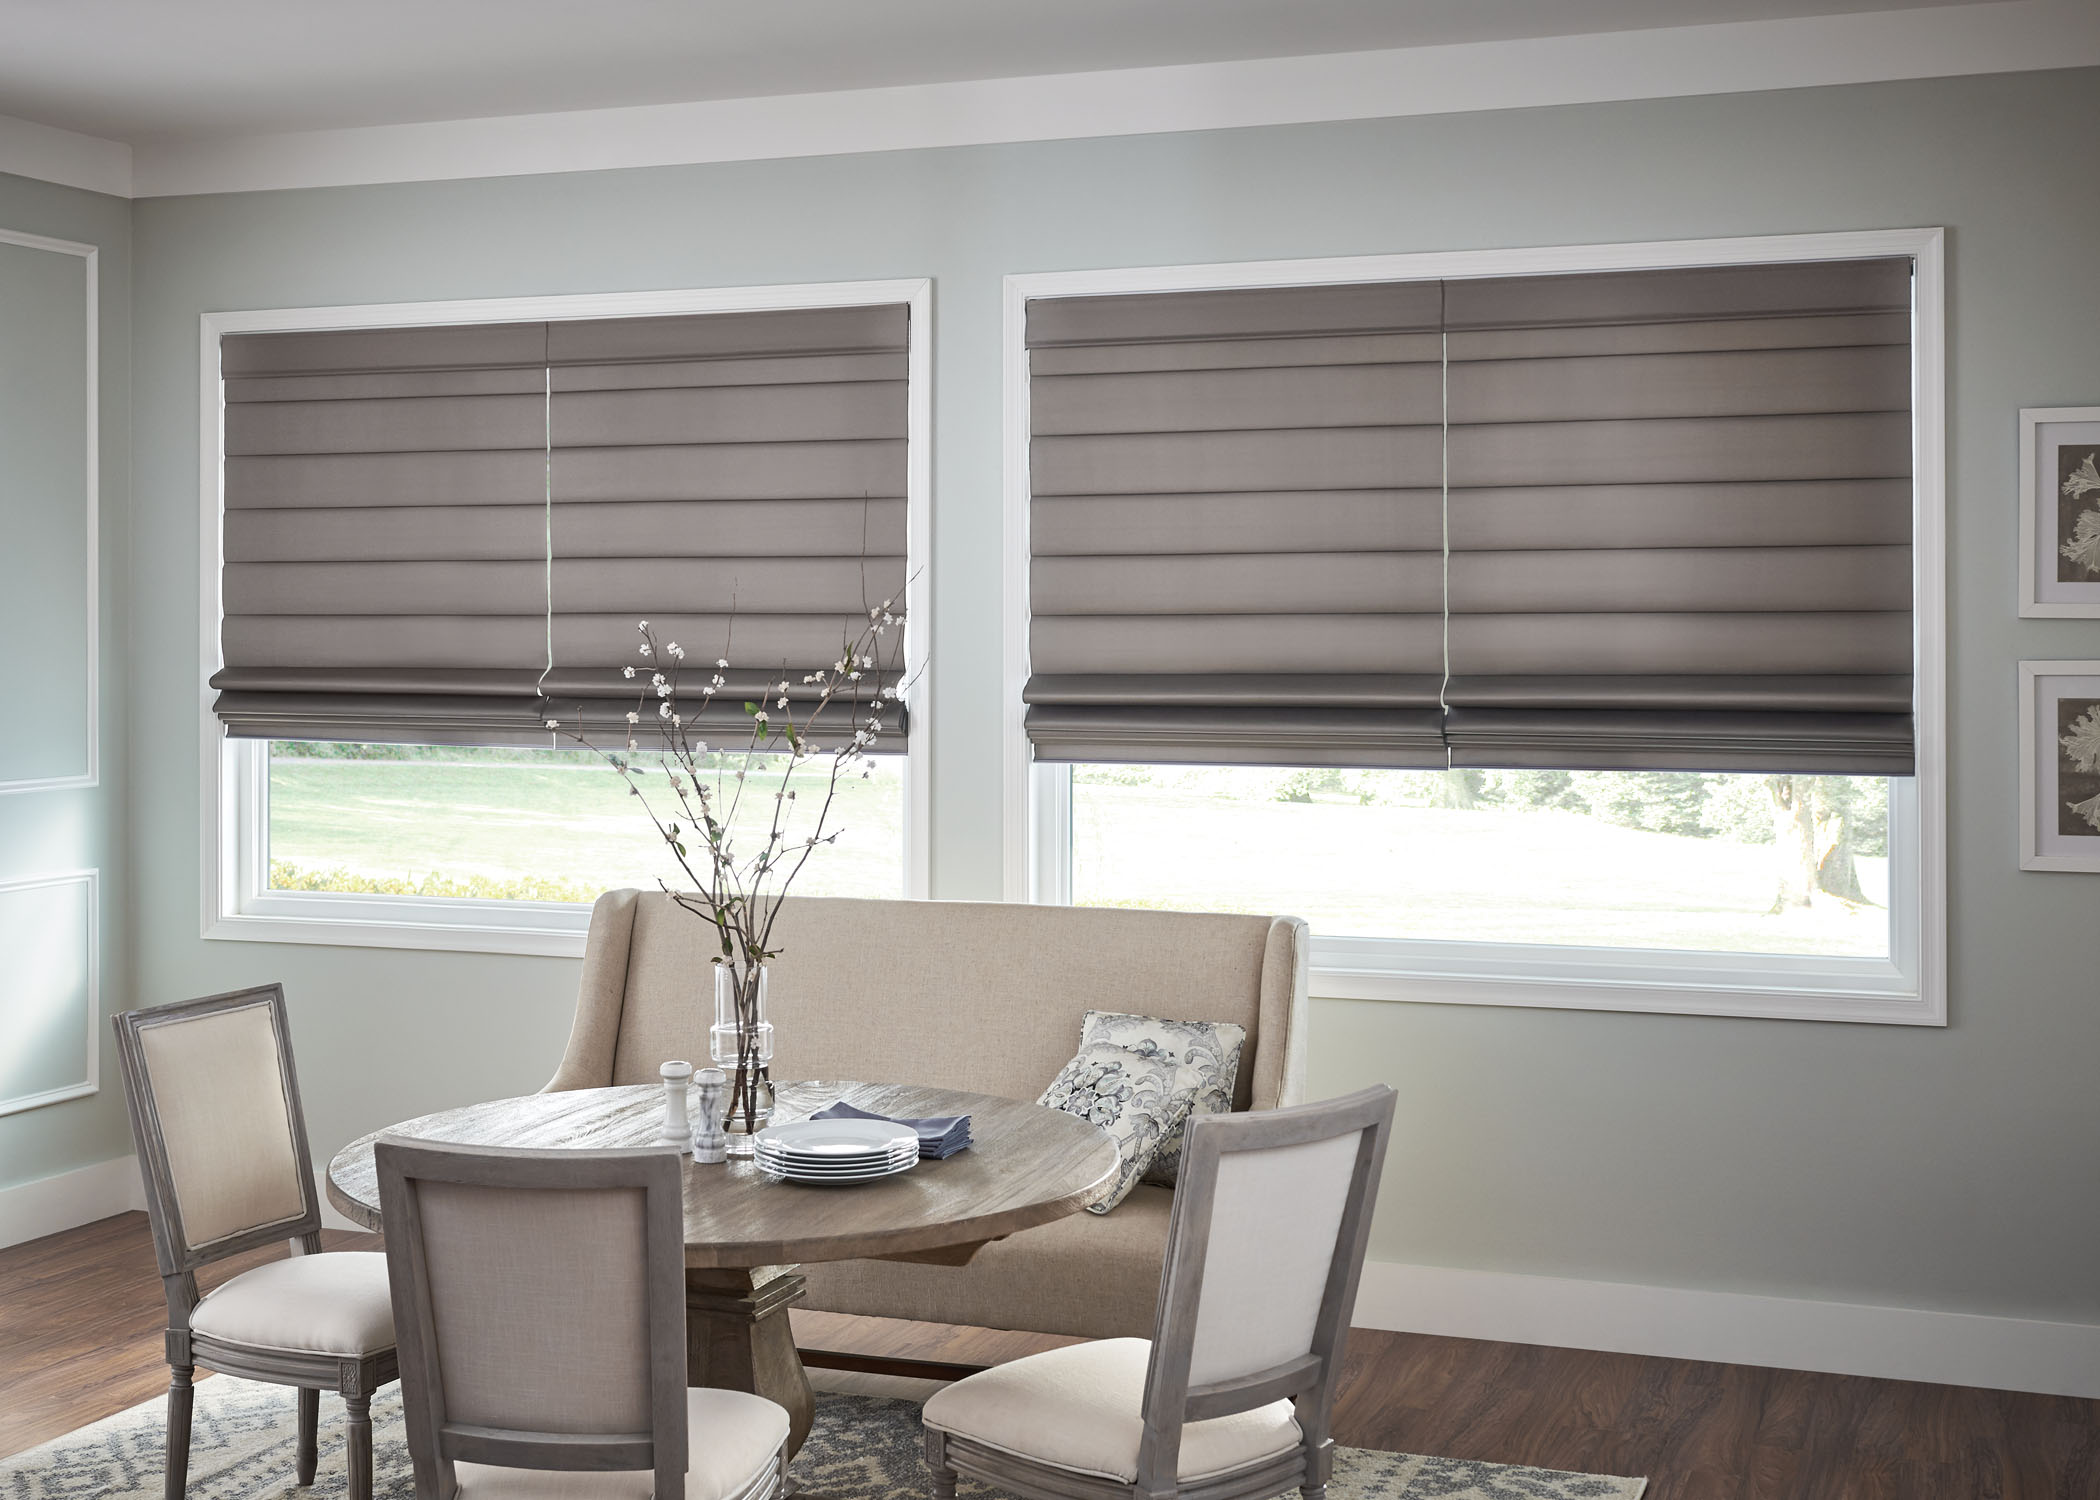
(1264, 1249)
(982, 996)
(221, 1138)
(539, 1308)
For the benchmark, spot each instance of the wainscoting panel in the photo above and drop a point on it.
(48, 512)
(50, 1007)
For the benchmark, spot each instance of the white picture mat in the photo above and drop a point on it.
(2042, 685)
(2042, 432)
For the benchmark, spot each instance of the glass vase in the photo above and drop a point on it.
(741, 1044)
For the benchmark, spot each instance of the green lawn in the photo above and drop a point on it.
(505, 824)
(1487, 875)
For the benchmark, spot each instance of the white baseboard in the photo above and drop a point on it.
(1844, 1338)
(31, 1210)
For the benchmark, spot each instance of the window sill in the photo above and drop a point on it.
(1874, 991)
(536, 928)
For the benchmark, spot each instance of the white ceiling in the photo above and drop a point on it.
(170, 70)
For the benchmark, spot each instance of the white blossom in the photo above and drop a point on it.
(782, 703)
(627, 671)
(677, 651)
(633, 717)
(717, 680)
(663, 710)
(760, 716)
(643, 626)
(554, 723)
(644, 648)
(721, 661)
(2083, 480)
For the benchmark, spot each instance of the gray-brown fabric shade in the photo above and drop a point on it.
(448, 535)
(1235, 526)
(1680, 520)
(1678, 508)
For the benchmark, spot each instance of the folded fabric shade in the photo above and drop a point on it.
(939, 1137)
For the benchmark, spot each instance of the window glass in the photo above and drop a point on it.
(1733, 864)
(545, 825)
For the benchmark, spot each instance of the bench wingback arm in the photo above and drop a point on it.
(587, 1063)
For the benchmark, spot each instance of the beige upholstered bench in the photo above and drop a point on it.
(963, 995)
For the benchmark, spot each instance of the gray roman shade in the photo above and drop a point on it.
(1236, 526)
(1680, 515)
(448, 535)
(1647, 520)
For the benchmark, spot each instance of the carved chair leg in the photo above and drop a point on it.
(180, 1392)
(360, 1446)
(309, 1433)
(940, 1478)
(1319, 1464)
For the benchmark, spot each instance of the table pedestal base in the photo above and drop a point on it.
(737, 1338)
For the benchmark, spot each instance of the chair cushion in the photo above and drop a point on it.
(310, 1304)
(1090, 1275)
(733, 1441)
(1081, 1409)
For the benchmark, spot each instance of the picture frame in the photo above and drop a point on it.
(2060, 512)
(2060, 766)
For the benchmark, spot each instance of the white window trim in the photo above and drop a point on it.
(234, 776)
(1907, 989)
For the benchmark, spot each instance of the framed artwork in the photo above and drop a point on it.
(2060, 511)
(2060, 765)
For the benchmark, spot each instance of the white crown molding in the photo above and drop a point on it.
(2009, 36)
(66, 157)
(1789, 1333)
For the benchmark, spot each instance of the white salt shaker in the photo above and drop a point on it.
(710, 1141)
(675, 1127)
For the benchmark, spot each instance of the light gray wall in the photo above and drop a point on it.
(1922, 1167)
(43, 684)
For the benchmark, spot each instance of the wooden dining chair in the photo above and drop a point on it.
(221, 1143)
(1230, 1398)
(541, 1301)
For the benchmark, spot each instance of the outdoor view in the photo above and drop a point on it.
(1745, 864)
(1740, 864)
(537, 825)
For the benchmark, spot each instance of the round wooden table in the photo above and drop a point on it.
(745, 1236)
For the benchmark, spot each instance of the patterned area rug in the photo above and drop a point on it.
(863, 1448)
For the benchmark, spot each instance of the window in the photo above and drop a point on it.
(469, 823)
(437, 526)
(1586, 859)
(1543, 633)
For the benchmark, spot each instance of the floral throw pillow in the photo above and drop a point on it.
(1211, 1049)
(1140, 1101)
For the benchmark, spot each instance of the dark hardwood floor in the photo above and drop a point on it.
(81, 1313)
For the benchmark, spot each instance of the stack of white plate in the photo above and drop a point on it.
(836, 1151)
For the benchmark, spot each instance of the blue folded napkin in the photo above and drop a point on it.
(939, 1138)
